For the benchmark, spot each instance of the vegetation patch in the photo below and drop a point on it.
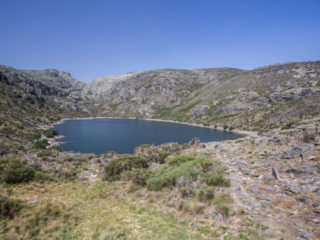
(50, 133)
(221, 203)
(205, 194)
(124, 163)
(189, 167)
(216, 180)
(138, 176)
(47, 221)
(41, 144)
(13, 171)
(9, 208)
(41, 176)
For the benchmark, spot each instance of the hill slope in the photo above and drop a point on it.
(258, 99)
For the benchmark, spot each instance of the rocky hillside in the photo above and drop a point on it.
(258, 99)
(42, 96)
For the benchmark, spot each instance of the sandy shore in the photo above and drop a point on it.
(236, 131)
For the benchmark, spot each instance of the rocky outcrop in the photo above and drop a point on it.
(270, 176)
(200, 111)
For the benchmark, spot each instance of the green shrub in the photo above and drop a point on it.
(44, 153)
(205, 194)
(309, 137)
(184, 192)
(177, 160)
(36, 136)
(187, 166)
(41, 176)
(13, 171)
(19, 175)
(138, 176)
(216, 180)
(221, 204)
(159, 153)
(224, 210)
(41, 144)
(166, 176)
(58, 148)
(225, 127)
(288, 125)
(124, 163)
(9, 208)
(69, 159)
(141, 147)
(160, 156)
(50, 133)
(205, 163)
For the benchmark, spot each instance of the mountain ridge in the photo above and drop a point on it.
(244, 99)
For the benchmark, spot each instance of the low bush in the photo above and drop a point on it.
(125, 163)
(216, 180)
(9, 208)
(157, 154)
(13, 171)
(205, 163)
(44, 153)
(187, 166)
(36, 136)
(221, 203)
(177, 160)
(138, 176)
(287, 125)
(50, 133)
(41, 144)
(41, 176)
(160, 156)
(58, 148)
(141, 148)
(69, 159)
(166, 175)
(205, 194)
(309, 137)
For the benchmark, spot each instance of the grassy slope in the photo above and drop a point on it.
(97, 211)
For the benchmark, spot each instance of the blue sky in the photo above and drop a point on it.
(92, 38)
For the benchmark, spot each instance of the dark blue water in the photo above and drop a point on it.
(123, 135)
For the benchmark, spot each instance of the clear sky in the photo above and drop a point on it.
(92, 38)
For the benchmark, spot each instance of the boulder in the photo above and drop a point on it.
(292, 188)
(275, 173)
(292, 153)
(200, 111)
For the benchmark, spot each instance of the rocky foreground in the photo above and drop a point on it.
(275, 178)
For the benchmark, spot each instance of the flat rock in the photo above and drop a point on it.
(292, 153)
(32, 201)
(292, 188)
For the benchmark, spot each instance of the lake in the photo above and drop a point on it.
(123, 135)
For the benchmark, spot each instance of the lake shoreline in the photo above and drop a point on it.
(56, 141)
(236, 131)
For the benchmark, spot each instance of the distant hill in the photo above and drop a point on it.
(258, 99)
